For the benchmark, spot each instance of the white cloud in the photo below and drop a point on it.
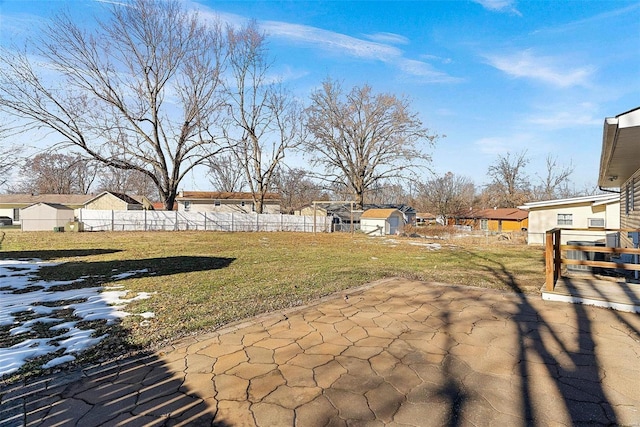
(424, 71)
(380, 47)
(584, 114)
(506, 6)
(543, 68)
(504, 144)
(390, 38)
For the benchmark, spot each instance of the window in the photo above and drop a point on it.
(596, 222)
(216, 203)
(187, 206)
(484, 224)
(16, 214)
(565, 219)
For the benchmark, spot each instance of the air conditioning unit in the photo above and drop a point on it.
(596, 222)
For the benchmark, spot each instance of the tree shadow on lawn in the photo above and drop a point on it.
(48, 255)
(96, 273)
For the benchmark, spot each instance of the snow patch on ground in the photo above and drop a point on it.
(22, 296)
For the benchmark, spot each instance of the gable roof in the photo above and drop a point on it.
(125, 198)
(595, 200)
(51, 205)
(221, 195)
(379, 213)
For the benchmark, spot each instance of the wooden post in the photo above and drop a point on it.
(549, 260)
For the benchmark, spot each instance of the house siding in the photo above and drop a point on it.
(227, 206)
(630, 215)
(542, 220)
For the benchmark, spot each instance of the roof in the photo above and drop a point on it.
(221, 195)
(620, 156)
(125, 198)
(425, 215)
(509, 214)
(379, 213)
(30, 199)
(595, 200)
(51, 205)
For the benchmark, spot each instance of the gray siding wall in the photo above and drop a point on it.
(630, 207)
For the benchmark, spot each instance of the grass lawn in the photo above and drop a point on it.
(203, 280)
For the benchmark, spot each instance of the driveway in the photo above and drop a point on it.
(396, 352)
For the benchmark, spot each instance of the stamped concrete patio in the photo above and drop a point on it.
(396, 352)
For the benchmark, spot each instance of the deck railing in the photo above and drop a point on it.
(554, 255)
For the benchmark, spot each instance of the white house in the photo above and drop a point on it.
(216, 201)
(380, 222)
(45, 216)
(596, 213)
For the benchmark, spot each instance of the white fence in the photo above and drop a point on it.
(99, 220)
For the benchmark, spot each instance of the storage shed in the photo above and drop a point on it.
(45, 216)
(380, 222)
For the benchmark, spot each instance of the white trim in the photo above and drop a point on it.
(629, 308)
(598, 199)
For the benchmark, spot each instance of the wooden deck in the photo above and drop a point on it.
(590, 290)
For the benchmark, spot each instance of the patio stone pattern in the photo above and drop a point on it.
(396, 352)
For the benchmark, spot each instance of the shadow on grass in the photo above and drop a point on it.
(95, 273)
(578, 383)
(55, 254)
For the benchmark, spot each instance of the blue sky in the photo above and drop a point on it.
(494, 76)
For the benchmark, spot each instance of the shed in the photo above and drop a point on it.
(380, 222)
(45, 216)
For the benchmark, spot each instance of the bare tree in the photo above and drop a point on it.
(225, 174)
(556, 181)
(447, 196)
(510, 185)
(267, 116)
(139, 91)
(387, 192)
(56, 173)
(7, 162)
(296, 188)
(127, 181)
(362, 138)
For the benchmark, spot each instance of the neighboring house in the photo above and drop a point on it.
(346, 213)
(45, 216)
(213, 201)
(592, 212)
(11, 204)
(496, 219)
(620, 168)
(426, 218)
(380, 222)
(109, 200)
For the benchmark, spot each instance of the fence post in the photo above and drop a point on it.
(550, 268)
(257, 221)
